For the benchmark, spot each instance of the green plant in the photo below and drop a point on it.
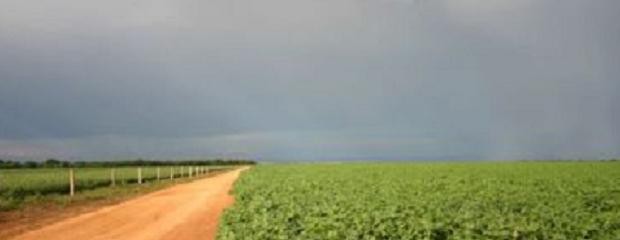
(516, 200)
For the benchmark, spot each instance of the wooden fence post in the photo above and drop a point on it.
(112, 177)
(158, 174)
(171, 173)
(139, 175)
(71, 182)
(182, 173)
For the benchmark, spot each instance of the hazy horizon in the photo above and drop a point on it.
(310, 79)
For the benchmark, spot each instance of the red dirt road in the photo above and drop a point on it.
(186, 211)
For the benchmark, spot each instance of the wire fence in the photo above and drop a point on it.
(20, 183)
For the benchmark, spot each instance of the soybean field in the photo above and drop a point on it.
(485, 200)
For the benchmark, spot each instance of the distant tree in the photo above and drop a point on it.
(52, 163)
(65, 164)
(30, 164)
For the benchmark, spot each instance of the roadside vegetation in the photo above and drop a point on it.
(513, 200)
(23, 182)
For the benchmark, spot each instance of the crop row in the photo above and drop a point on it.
(518, 200)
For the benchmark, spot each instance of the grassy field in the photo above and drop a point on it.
(20, 185)
(516, 200)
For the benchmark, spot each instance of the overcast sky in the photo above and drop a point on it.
(310, 79)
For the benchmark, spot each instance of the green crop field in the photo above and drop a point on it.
(517, 200)
(18, 184)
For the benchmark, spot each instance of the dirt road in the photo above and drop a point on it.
(186, 211)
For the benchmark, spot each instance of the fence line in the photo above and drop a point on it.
(112, 177)
(142, 177)
(158, 174)
(139, 175)
(71, 182)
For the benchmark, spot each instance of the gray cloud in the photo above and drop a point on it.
(302, 79)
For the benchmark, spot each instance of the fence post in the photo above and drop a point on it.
(182, 173)
(71, 182)
(158, 174)
(171, 173)
(139, 175)
(112, 177)
(191, 171)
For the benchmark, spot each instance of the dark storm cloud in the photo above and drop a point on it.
(310, 79)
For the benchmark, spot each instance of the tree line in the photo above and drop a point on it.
(54, 163)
